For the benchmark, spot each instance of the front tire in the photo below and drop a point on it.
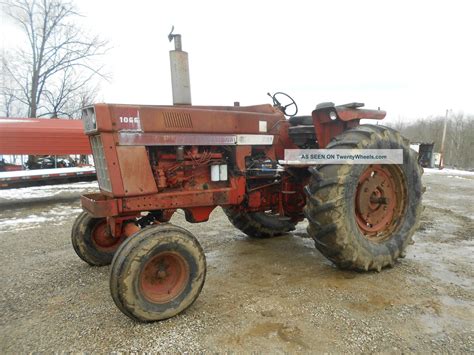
(362, 217)
(92, 241)
(158, 273)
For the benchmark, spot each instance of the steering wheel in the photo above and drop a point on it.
(283, 108)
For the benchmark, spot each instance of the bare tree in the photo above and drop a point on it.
(8, 101)
(62, 97)
(60, 60)
(399, 124)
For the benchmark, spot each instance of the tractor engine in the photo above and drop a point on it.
(188, 167)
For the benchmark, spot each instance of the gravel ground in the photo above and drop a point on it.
(278, 295)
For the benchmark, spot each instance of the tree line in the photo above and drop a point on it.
(459, 142)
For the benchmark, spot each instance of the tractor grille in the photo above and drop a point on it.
(177, 120)
(100, 163)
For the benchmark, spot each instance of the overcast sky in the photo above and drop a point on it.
(411, 58)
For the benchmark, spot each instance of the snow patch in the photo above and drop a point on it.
(27, 220)
(63, 211)
(22, 120)
(55, 215)
(41, 172)
(429, 171)
(36, 192)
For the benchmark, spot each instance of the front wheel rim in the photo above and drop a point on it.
(103, 240)
(164, 277)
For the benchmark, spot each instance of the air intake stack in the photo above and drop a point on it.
(179, 72)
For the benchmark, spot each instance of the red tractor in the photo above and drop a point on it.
(153, 160)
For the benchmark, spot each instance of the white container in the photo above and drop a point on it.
(223, 172)
(214, 172)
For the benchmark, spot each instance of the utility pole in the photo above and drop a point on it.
(441, 159)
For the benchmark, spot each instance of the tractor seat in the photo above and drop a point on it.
(301, 120)
(308, 120)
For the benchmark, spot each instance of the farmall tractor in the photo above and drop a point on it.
(153, 160)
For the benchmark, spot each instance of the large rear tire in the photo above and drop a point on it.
(158, 273)
(363, 217)
(258, 224)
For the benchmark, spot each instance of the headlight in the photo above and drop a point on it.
(88, 117)
(332, 115)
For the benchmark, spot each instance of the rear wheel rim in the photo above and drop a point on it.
(164, 277)
(380, 201)
(102, 239)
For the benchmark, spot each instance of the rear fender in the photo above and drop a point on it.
(330, 121)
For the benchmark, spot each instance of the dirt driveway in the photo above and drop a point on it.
(260, 295)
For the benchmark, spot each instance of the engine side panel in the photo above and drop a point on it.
(135, 170)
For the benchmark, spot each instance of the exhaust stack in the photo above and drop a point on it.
(179, 72)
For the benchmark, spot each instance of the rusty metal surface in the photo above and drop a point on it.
(326, 129)
(193, 119)
(103, 240)
(347, 117)
(380, 201)
(42, 136)
(180, 199)
(99, 205)
(164, 277)
(348, 114)
(135, 171)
